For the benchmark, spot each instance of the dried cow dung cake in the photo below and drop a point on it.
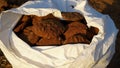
(51, 31)
(78, 38)
(72, 16)
(39, 19)
(94, 30)
(91, 32)
(75, 28)
(23, 22)
(28, 36)
(49, 42)
(47, 28)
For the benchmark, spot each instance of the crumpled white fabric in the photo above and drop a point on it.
(97, 54)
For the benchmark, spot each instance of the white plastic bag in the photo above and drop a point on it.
(95, 55)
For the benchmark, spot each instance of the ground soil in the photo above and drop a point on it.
(110, 7)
